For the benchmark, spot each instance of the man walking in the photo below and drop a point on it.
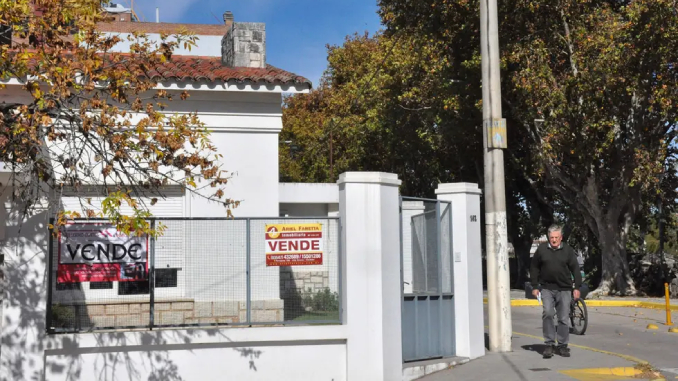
(553, 266)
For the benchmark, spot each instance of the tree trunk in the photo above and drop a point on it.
(616, 275)
(522, 252)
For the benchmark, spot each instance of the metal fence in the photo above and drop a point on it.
(199, 272)
(428, 279)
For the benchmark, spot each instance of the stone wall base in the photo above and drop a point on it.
(167, 313)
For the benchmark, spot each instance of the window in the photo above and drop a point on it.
(163, 278)
(133, 288)
(5, 35)
(166, 278)
(101, 285)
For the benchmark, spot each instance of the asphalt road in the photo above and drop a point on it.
(617, 330)
(617, 339)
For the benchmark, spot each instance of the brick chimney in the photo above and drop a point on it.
(244, 45)
(228, 17)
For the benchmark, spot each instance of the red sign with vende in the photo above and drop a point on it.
(94, 252)
(294, 245)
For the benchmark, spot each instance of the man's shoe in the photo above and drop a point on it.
(548, 352)
(564, 351)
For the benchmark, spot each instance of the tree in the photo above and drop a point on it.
(87, 115)
(381, 106)
(399, 104)
(600, 78)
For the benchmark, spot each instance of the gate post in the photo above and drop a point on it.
(368, 205)
(468, 272)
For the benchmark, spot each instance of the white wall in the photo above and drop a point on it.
(259, 363)
(209, 46)
(309, 193)
(244, 129)
(252, 160)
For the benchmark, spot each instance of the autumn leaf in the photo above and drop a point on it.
(96, 116)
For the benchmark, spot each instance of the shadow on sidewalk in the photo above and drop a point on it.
(539, 348)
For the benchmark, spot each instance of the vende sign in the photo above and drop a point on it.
(92, 252)
(294, 244)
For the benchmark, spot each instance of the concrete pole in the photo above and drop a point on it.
(496, 240)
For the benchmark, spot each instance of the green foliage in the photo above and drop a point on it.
(381, 108)
(601, 76)
(62, 316)
(84, 114)
(324, 300)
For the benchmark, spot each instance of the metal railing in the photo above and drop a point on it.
(426, 242)
(428, 279)
(199, 272)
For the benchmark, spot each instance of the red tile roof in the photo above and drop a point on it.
(210, 69)
(193, 68)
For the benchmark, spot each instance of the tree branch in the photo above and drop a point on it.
(568, 41)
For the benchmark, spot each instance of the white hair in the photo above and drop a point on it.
(555, 228)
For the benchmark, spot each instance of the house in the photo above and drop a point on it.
(237, 95)
(213, 272)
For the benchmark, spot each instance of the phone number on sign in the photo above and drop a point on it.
(294, 259)
(295, 256)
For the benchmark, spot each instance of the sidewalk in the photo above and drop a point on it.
(525, 363)
(616, 342)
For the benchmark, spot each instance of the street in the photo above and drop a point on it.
(617, 339)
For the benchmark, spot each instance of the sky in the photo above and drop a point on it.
(297, 31)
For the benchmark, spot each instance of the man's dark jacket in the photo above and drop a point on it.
(553, 268)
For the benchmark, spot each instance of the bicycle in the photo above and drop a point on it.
(579, 316)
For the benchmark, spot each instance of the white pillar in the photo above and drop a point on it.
(368, 204)
(468, 271)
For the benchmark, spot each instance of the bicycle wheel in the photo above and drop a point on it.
(579, 317)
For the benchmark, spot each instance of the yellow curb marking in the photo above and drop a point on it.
(673, 330)
(652, 326)
(597, 374)
(599, 303)
(601, 374)
(623, 356)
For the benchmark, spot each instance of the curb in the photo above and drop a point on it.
(599, 303)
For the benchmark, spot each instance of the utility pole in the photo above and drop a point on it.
(662, 260)
(331, 159)
(494, 140)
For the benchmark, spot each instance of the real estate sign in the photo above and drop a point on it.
(94, 252)
(294, 244)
